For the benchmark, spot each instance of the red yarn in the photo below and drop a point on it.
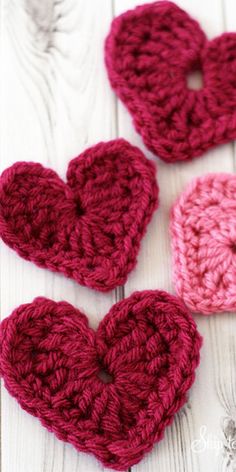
(149, 53)
(90, 228)
(51, 362)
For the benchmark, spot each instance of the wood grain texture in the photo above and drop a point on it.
(55, 101)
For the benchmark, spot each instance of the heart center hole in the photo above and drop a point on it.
(195, 80)
(233, 248)
(104, 376)
(78, 208)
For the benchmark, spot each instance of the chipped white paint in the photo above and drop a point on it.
(55, 101)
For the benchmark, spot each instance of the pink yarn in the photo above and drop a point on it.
(51, 362)
(89, 228)
(149, 54)
(203, 232)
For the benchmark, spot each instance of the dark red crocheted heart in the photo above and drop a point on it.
(90, 228)
(149, 53)
(51, 362)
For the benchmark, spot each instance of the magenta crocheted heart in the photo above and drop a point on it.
(203, 231)
(111, 392)
(90, 228)
(149, 53)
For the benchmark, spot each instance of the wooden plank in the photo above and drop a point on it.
(205, 406)
(56, 102)
(229, 15)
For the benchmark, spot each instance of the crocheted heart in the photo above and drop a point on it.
(149, 54)
(203, 230)
(90, 228)
(52, 361)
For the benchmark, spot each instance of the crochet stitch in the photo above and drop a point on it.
(90, 228)
(149, 53)
(203, 231)
(51, 362)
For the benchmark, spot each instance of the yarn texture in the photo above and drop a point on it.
(51, 362)
(89, 228)
(203, 233)
(149, 53)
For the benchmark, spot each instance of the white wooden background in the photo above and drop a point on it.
(55, 102)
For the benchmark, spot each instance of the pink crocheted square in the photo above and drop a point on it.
(203, 231)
